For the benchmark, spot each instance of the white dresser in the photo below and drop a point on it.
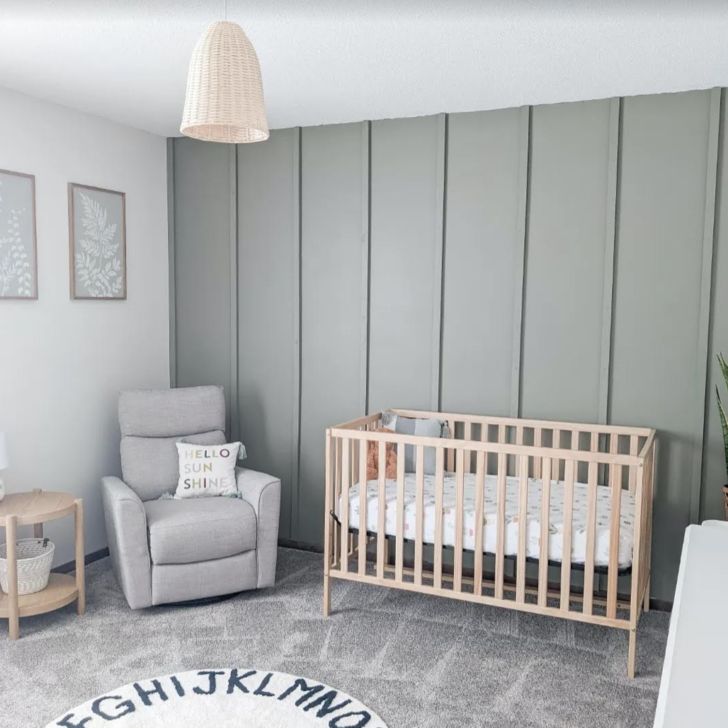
(694, 686)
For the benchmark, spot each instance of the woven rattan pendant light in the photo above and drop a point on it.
(224, 99)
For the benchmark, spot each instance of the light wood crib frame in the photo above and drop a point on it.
(601, 456)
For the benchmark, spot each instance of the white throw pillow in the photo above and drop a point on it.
(207, 470)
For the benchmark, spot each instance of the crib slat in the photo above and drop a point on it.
(556, 444)
(439, 485)
(519, 441)
(399, 555)
(457, 584)
(633, 450)
(522, 528)
(345, 478)
(591, 525)
(381, 509)
(451, 453)
(613, 568)
(478, 523)
(363, 501)
(537, 440)
(500, 525)
(336, 448)
(567, 535)
(543, 558)
(637, 579)
(328, 522)
(419, 510)
(354, 460)
(615, 481)
(468, 436)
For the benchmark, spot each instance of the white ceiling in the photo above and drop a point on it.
(327, 61)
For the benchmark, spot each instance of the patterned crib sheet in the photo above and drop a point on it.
(533, 526)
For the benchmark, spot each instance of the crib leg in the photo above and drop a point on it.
(646, 602)
(632, 653)
(327, 595)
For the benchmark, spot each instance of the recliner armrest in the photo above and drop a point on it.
(126, 530)
(263, 492)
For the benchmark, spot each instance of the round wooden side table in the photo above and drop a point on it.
(34, 509)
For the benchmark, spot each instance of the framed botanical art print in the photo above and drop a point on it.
(18, 246)
(97, 222)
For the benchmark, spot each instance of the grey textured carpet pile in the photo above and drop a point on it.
(420, 662)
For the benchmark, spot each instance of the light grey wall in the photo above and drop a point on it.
(63, 362)
(555, 261)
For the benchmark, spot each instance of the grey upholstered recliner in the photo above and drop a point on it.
(166, 550)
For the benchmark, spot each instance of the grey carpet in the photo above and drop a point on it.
(420, 662)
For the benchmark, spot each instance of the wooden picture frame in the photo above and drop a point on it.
(25, 251)
(97, 243)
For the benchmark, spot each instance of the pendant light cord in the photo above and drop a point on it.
(225, 8)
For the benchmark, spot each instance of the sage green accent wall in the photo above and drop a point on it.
(659, 361)
(201, 203)
(714, 465)
(568, 236)
(268, 309)
(406, 213)
(563, 261)
(334, 177)
(487, 155)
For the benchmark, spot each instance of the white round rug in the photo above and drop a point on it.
(238, 697)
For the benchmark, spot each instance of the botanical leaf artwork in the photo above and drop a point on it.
(98, 261)
(16, 279)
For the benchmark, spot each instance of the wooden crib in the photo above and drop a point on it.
(487, 470)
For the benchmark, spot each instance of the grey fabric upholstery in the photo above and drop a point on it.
(126, 531)
(175, 550)
(152, 421)
(199, 529)
(171, 412)
(182, 582)
(150, 465)
(263, 492)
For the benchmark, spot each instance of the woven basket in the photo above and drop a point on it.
(34, 557)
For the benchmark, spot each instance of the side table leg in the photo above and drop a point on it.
(11, 532)
(80, 560)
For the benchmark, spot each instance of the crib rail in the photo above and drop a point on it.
(619, 459)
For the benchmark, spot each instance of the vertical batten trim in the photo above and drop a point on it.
(296, 322)
(524, 194)
(172, 263)
(706, 279)
(438, 283)
(610, 245)
(234, 314)
(366, 258)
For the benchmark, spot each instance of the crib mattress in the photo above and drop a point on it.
(512, 526)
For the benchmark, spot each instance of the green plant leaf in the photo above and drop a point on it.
(723, 368)
(724, 426)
